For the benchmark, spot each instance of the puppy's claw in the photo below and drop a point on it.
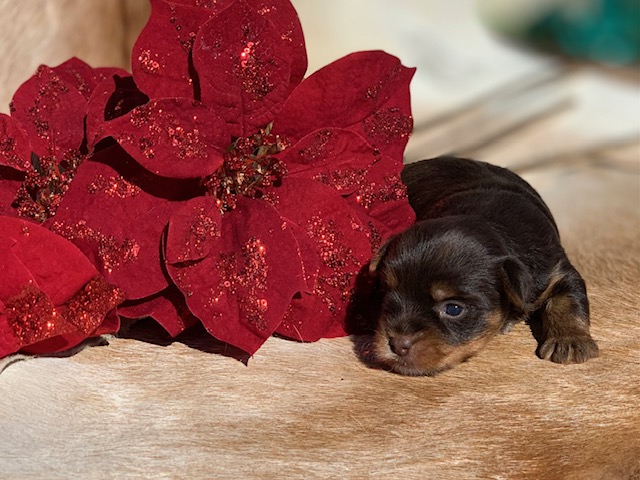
(569, 349)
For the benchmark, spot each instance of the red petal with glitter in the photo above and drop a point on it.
(285, 19)
(306, 320)
(306, 250)
(244, 67)
(172, 137)
(82, 77)
(367, 92)
(168, 308)
(48, 288)
(161, 56)
(116, 222)
(52, 113)
(341, 244)
(241, 292)
(194, 230)
(15, 150)
(383, 197)
(60, 343)
(103, 73)
(113, 97)
(335, 157)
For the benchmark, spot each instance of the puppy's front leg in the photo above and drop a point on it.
(565, 322)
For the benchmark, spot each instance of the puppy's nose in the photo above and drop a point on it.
(400, 345)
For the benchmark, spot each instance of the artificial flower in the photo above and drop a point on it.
(300, 178)
(217, 184)
(43, 141)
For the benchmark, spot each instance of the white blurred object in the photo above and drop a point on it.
(457, 58)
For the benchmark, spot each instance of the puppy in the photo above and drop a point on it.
(484, 254)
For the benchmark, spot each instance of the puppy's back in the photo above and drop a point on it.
(432, 183)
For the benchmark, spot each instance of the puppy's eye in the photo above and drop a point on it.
(452, 309)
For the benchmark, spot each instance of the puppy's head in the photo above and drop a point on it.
(448, 288)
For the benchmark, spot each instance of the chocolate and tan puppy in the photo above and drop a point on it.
(484, 254)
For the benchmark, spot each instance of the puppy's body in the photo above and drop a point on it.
(484, 254)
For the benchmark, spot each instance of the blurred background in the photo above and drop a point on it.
(514, 81)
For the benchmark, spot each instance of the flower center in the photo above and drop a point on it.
(249, 167)
(45, 185)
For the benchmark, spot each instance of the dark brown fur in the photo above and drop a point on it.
(486, 242)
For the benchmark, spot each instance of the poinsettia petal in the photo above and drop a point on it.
(193, 232)
(241, 293)
(15, 150)
(57, 266)
(285, 19)
(172, 137)
(102, 73)
(341, 244)
(52, 113)
(306, 250)
(15, 275)
(113, 97)
(83, 77)
(49, 289)
(167, 307)
(244, 67)
(161, 60)
(306, 319)
(380, 202)
(116, 222)
(335, 157)
(382, 196)
(94, 306)
(365, 91)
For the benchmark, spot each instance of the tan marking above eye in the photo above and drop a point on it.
(441, 292)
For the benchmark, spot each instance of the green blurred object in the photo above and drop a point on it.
(609, 32)
(605, 31)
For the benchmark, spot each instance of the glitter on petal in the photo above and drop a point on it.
(149, 62)
(111, 252)
(337, 256)
(15, 151)
(342, 179)
(114, 186)
(249, 271)
(45, 184)
(86, 309)
(32, 316)
(388, 124)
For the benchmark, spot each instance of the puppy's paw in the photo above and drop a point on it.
(577, 348)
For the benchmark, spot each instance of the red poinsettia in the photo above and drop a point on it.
(43, 141)
(300, 178)
(51, 296)
(237, 193)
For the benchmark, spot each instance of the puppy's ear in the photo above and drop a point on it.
(378, 258)
(516, 281)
